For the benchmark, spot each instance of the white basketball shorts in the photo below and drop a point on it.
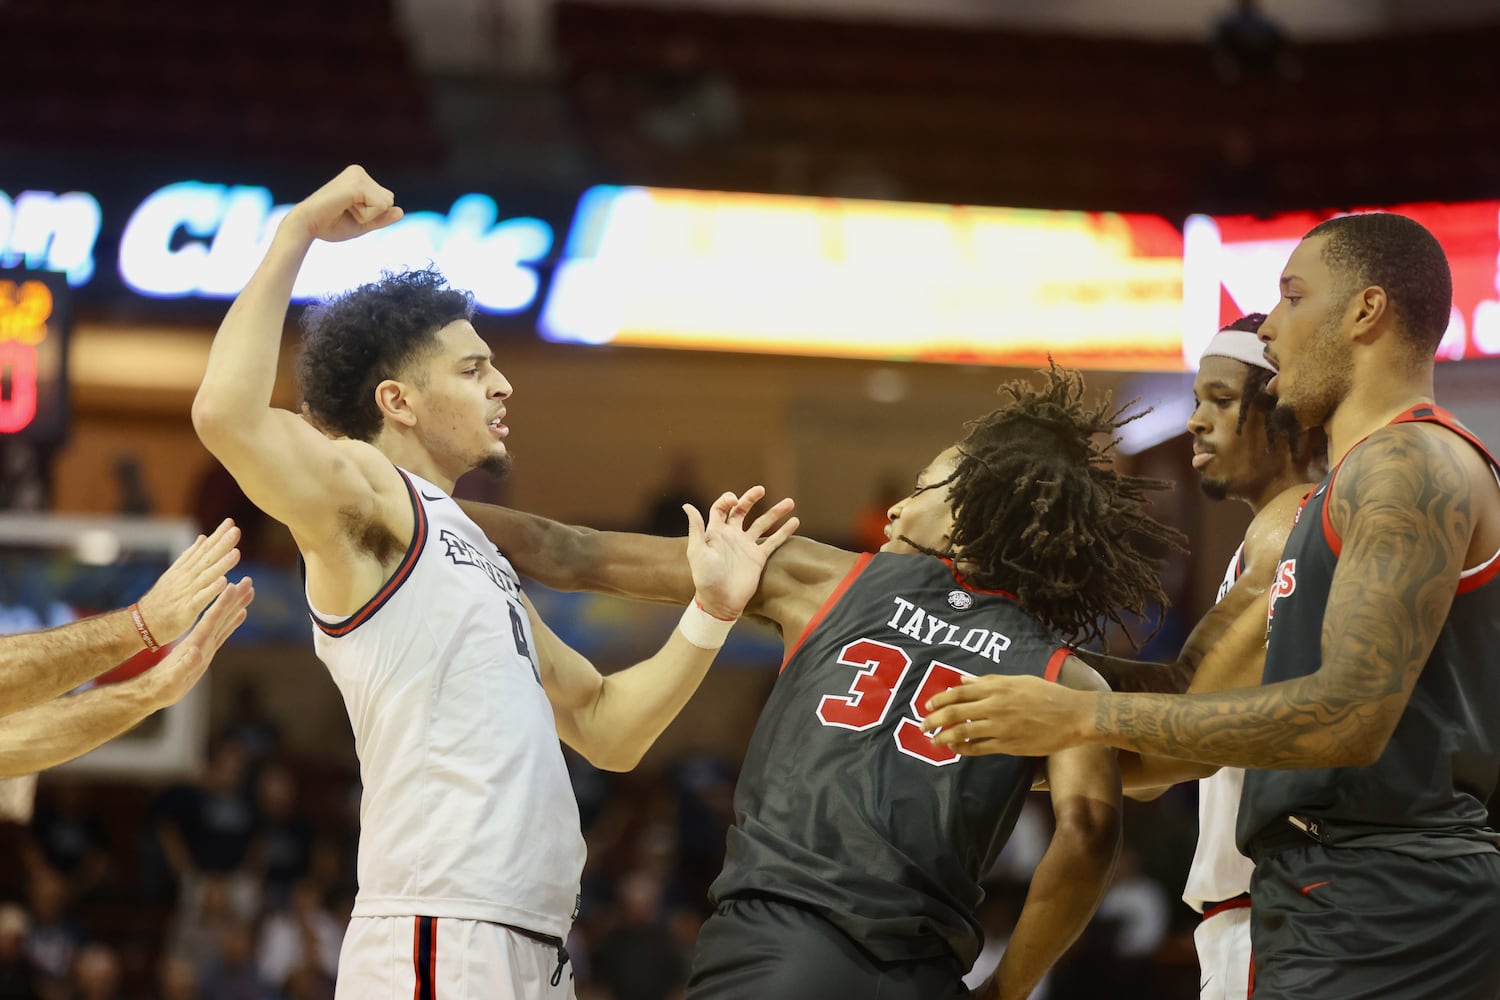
(443, 958)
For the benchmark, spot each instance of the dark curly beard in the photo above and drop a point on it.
(497, 466)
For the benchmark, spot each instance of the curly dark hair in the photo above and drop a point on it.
(1401, 256)
(354, 341)
(1040, 512)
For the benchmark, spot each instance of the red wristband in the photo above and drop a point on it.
(142, 630)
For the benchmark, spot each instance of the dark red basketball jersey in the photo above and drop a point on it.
(844, 805)
(1426, 794)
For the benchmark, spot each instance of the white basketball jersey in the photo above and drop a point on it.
(1219, 870)
(467, 809)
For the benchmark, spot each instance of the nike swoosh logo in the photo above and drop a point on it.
(1316, 885)
(438, 497)
(1319, 491)
(1204, 985)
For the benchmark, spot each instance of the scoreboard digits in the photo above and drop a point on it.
(34, 327)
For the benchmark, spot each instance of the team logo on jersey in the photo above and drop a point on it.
(464, 554)
(961, 600)
(1286, 582)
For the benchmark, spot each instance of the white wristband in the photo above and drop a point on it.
(703, 629)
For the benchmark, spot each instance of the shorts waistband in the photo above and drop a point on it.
(551, 941)
(1287, 833)
(1240, 902)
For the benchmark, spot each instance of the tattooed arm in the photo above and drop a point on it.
(1403, 504)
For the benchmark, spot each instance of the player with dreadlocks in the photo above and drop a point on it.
(853, 868)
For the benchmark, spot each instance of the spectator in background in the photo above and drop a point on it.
(282, 847)
(682, 485)
(689, 103)
(299, 945)
(55, 937)
(218, 496)
(640, 958)
(179, 981)
(1237, 179)
(206, 827)
(1247, 45)
(17, 975)
(206, 915)
(134, 500)
(233, 974)
(96, 974)
(67, 836)
(1137, 907)
(252, 727)
(705, 812)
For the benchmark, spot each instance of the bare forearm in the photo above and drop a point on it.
(241, 372)
(1136, 675)
(1292, 724)
(68, 727)
(1146, 777)
(1065, 892)
(572, 558)
(635, 705)
(36, 667)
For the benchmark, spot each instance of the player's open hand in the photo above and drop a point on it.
(1022, 716)
(174, 602)
(180, 669)
(727, 556)
(350, 205)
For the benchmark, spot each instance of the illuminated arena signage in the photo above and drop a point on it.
(52, 232)
(707, 270)
(1231, 266)
(204, 240)
(195, 240)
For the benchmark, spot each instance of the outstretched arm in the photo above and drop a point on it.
(1073, 874)
(798, 576)
(1236, 661)
(69, 727)
(568, 557)
(614, 720)
(36, 667)
(1404, 508)
(284, 465)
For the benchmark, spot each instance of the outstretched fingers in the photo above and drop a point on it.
(696, 526)
(770, 518)
(225, 615)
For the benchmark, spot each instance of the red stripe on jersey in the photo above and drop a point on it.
(827, 606)
(1479, 579)
(408, 562)
(416, 958)
(1055, 663)
(1330, 534)
(432, 964)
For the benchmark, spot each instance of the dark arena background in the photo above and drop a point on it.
(712, 243)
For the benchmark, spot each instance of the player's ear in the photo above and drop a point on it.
(395, 403)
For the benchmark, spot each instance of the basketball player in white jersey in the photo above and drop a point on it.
(470, 850)
(1236, 455)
